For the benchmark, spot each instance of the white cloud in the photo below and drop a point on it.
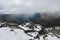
(29, 6)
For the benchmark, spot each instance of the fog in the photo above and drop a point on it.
(28, 6)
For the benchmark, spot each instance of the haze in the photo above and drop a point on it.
(29, 6)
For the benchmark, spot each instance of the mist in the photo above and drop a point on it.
(25, 9)
(29, 6)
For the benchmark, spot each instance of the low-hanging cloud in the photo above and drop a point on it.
(29, 6)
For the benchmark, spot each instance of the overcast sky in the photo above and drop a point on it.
(29, 6)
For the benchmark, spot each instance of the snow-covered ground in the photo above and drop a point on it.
(7, 33)
(18, 34)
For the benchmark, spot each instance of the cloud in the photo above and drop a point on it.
(29, 6)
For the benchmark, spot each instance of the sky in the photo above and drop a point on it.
(29, 6)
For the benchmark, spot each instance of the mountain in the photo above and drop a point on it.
(18, 18)
(46, 20)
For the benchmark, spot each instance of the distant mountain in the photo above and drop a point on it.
(46, 20)
(17, 18)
